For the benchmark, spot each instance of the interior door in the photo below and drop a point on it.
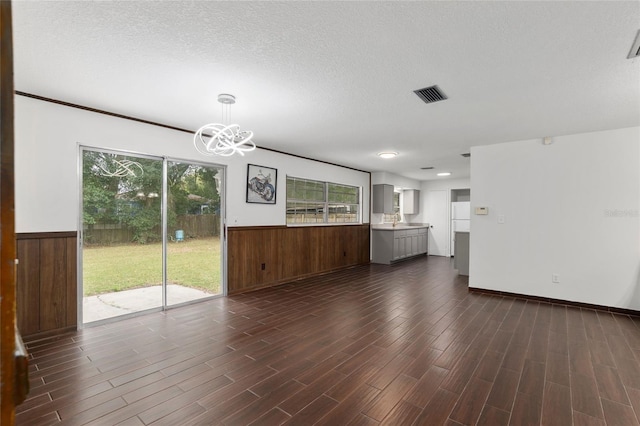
(437, 215)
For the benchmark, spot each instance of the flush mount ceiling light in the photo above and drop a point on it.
(387, 154)
(444, 174)
(223, 139)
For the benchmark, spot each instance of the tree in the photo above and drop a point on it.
(98, 201)
(125, 190)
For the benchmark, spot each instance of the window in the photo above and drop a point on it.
(312, 201)
(396, 216)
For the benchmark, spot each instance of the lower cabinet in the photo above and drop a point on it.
(399, 245)
(461, 259)
(423, 241)
(393, 245)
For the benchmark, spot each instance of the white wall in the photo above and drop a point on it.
(438, 184)
(423, 186)
(399, 183)
(395, 180)
(47, 140)
(571, 208)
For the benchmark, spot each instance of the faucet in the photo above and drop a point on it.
(395, 219)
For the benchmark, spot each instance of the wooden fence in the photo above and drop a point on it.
(193, 226)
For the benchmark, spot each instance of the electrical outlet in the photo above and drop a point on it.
(555, 278)
(501, 219)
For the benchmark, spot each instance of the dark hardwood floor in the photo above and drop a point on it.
(399, 345)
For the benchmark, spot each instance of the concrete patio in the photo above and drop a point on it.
(109, 305)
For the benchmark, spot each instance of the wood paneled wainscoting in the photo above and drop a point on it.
(269, 255)
(46, 287)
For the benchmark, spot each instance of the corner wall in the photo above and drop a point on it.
(571, 208)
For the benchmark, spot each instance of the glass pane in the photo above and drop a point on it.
(301, 212)
(194, 259)
(290, 187)
(305, 190)
(122, 234)
(343, 194)
(343, 213)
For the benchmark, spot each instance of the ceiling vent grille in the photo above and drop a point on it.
(635, 49)
(430, 94)
(466, 155)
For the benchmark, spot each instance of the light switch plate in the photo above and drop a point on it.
(482, 210)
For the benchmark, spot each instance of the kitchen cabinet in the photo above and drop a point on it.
(399, 245)
(423, 241)
(461, 259)
(382, 199)
(411, 201)
(391, 244)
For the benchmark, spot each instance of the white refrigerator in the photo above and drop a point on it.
(460, 220)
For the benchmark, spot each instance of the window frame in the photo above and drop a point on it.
(326, 204)
(397, 213)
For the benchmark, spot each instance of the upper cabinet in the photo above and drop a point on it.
(383, 199)
(411, 201)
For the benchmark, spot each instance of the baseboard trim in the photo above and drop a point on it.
(293, 280)
(43, 335)
(612, 309)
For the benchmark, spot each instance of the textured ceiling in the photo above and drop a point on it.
(334, 80)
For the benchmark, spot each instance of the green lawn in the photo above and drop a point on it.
(193, 263)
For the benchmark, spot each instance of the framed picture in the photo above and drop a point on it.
(261, 184)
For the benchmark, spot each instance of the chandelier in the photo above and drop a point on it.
(223, 139)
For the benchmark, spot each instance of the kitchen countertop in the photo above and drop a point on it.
(398, 227)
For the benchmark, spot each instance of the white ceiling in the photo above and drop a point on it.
(334, 81)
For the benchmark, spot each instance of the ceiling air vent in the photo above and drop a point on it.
(635, 49)
(466, 155)
(426, 168)
(430, 94)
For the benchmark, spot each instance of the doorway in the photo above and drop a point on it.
(438, 216)
(460, 214)
(150, 233)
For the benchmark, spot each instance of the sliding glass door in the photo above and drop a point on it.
(194, 261)
(150, 233)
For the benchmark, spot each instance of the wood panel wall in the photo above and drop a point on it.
(289, 253)
(46, 287)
